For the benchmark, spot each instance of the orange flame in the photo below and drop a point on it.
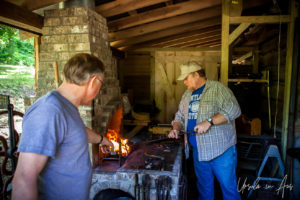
(112, 135)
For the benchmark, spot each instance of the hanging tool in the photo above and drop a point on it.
(137, 187)
(169, 184)
(146, 186)
(157, 189)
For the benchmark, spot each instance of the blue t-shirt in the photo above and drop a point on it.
(53, 127)
(193, 113)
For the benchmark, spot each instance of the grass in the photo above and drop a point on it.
(17, 81)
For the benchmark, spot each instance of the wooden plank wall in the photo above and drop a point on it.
(168, 90)
(134, 76)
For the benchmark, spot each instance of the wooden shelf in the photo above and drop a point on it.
(248, 80)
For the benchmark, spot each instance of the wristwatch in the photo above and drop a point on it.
(210, 121)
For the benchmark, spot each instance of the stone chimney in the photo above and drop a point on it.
(74, 30)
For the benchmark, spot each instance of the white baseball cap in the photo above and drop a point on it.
(189, 67)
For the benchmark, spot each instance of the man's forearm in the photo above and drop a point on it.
(219, 119)
(92, 136)
(177, 126)
(24, 184)
(24, 190)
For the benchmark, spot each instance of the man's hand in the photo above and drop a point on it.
(202, 127)
(107, 145)
(173, 134)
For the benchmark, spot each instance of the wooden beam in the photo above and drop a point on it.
(123, 6)
(34, 4)
(168, 32)
(243, 57)
(204, 43)
(37, 4)
(24, 35)
(202, 35)
(195, 41)
(236, 8)
(179, 49)
(238, 31)
(161, 41)
(16, 16)
(288, 75)
(212, 44)
(270, 19)
(133, 12)
(165, 23)
(225, 42)
(161, 13)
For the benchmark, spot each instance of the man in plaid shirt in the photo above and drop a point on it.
(206, 113)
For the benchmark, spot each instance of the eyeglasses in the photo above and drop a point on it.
(100, 80)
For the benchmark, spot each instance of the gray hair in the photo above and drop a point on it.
(81, 67)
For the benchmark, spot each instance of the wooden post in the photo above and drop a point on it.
(37, 42)
(225, 42)
(288, 74)
(56, 73)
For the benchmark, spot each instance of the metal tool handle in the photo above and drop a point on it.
(182, 132)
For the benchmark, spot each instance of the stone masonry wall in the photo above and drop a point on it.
(78, 30)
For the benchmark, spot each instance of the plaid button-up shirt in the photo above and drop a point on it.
(216, 98)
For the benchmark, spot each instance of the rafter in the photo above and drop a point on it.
(164, 40)
(168, 32)
(196, 41)
(216, 43)
(270, 19)
(213, 44)
(21, 18)
(204, 35)
(122, 6)
(161, 13)
(34, 4)
(206, 44)
(166, 23)
(238, 31)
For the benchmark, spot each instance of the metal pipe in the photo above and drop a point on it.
(77, 4)
(269, 98)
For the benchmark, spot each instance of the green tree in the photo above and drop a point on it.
(14, 51)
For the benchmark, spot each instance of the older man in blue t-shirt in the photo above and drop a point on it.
(207, 112)
(54, 159)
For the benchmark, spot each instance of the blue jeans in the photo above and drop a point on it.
(223, 167)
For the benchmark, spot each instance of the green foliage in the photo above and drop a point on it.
(14, 51)
(17, 81)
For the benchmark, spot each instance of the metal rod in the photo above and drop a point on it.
(269, 98)
(12, 138)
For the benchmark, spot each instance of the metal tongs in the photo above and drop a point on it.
(182, 132)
